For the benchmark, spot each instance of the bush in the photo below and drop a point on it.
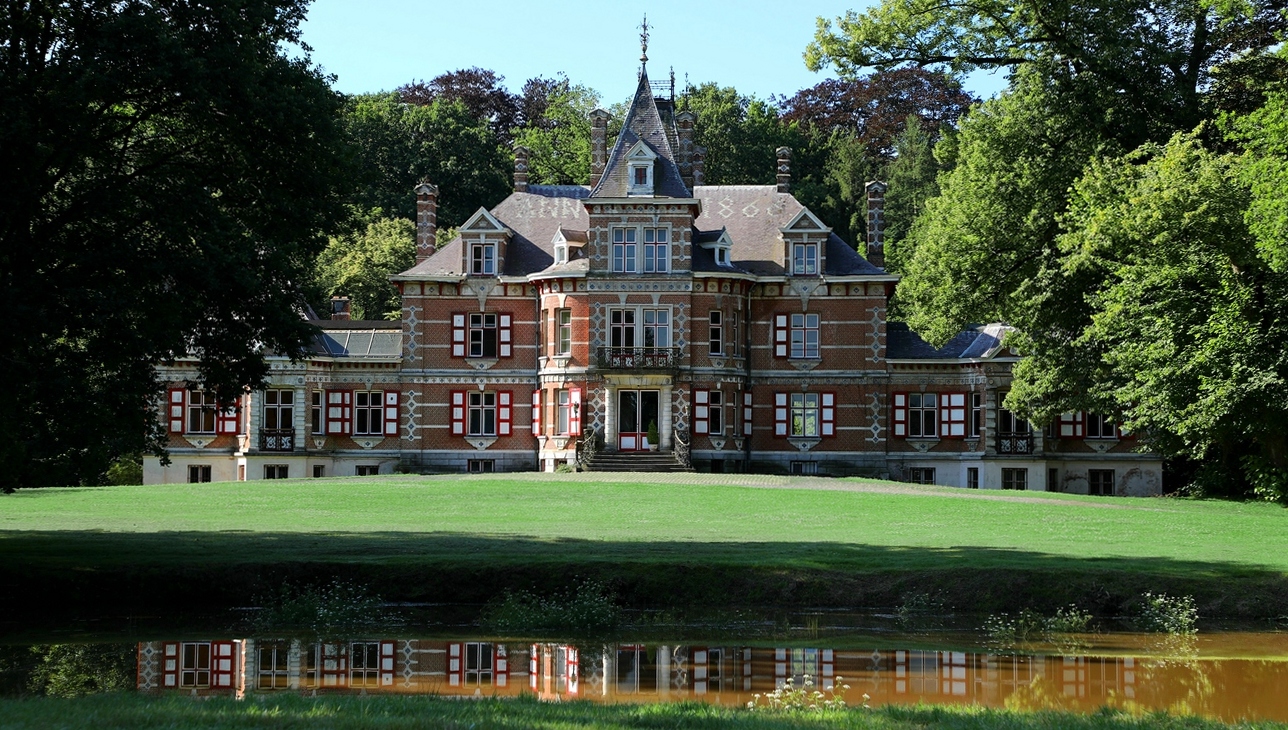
(1164, 614)
(126, 469)
(1029, 625)
(788, 697)
(587, 608)
(338, 606)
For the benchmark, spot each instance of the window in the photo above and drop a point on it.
(198, 473)
(1069, 425)
(1008, 424)
(715, 412)
(657, 328)
(624, 250)
(1100, 481)
(482, 414)
(639, 176)
(319, 471)
(315, 412)
(804, 467)
(972, 477)
(483, 259)
(483, 328)
(622, 327)
(481, 466)
(366, 470)
(921, 475)
(478, 664)
(277, 471)
(804, 335)
(1015, 479)
(976, 414)
(722, 256)
(201, 411)
(657, 251)
(194, 671)
(272, 664)
(564, 416)
(279, 409)
(716, 337)
(364, 664)
(1100, 427)
(368, 413)
(1053, 480)
(563, 338)
(805, 415)
(805, 259)
(922, 410)
(561, 254)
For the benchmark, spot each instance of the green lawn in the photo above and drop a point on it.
(810, 539)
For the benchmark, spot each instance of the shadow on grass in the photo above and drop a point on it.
(82, 573)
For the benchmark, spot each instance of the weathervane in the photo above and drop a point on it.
(644, 40)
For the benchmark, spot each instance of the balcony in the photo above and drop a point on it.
(639, 358)
(277, 439)
(1015, 443)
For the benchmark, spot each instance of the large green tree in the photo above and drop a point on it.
(167, 174)
(559, 137)
(358, 264)
(740, 134)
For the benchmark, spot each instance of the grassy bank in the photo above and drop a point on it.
(659, 539)
(396, 713)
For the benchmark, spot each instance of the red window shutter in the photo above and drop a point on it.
(952, 415)
(532, 666)
(781, 334)
(458, 413)
(170, 665)
(391, 413)
(574, 670)
(746, 413)
(174, 409)
(223, 664)
(701, 412)
(536, 413)
(901, 415)
(504, 343)
(574, 411)
(1071, 425)
(827, 417)
(458, 335)
(226, 420)
(780, 415)
(455, 664)
(504, 412)
(339, 411)
(386, 663)
(501, 665)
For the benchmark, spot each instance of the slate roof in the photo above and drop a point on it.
(976, 341)
(643, 122)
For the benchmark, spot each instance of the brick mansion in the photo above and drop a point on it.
(728, 327)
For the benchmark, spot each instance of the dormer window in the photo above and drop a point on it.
(483, 259)
(561, 254)
(641, 176)
(640, 162)
(805, 259)
(722, 256)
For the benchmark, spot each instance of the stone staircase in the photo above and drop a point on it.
(651, 461)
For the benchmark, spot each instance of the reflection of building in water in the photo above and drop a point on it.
(728, 675)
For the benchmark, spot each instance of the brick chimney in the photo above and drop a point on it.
(521, 154)
(784, 169)
(684, 122)
(876, 191)
(598, 145)
(699, 170)
(426, 220)
(340, 308)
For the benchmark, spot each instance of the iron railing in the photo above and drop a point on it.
(587, 447)
(277, 439)
(639, 358)
(680, 447)
(1015, 443)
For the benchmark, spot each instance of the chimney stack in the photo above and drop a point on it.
(876, 191)
(784, 169)
(699, 171)
(684, 122)
(340, 308)
(426, 220)
(598, 145)
(521, 168)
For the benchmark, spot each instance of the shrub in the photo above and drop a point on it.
(589, 607)
(788, 697)
(338, 606)
(1029, 625)
(1164, 614)
(920, 610)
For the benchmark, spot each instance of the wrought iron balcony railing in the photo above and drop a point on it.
(639, 358)
(277, 439)
(1015, 443)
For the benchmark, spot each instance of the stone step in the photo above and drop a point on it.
(643, 461)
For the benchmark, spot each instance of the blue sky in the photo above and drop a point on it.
(755, 46)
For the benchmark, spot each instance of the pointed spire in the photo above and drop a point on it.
(644, 40)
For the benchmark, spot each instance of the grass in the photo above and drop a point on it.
(105, 712)
(768, 540)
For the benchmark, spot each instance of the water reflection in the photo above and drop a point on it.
(1228, 689)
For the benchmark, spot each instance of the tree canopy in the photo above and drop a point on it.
(169, 173)
(359, 262)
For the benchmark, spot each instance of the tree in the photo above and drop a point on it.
(168, 176)
(479, 90)
(912, 181)
(559, 139)
(1264, 134)
(358, 264)
(400, 144)
(739, 132)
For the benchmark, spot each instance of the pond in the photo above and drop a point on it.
(1223, 675)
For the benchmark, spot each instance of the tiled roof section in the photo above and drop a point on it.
(375, 340)
(575, 238)
(534, 217)
(642, 122)
(754, 216)
(576, 267)
(704, 259)
(976, 341)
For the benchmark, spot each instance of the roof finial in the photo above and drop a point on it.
(644, 40)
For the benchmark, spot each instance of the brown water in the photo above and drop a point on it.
(1228, 676)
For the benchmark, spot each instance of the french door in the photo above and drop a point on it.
(636, 409)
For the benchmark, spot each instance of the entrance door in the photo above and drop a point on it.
(636, 409)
